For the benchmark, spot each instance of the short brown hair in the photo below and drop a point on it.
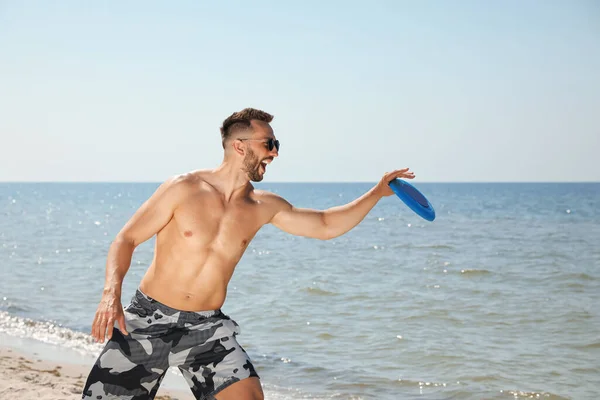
(240, 121)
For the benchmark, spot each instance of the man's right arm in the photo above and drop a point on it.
(147, 221)
(334, 221)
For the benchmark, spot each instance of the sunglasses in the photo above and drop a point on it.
(271, 143)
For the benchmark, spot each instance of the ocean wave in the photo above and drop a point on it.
(574, 285)
(372, 382)
(423, 246)
(474, 272)
(325, 336)
(319, 292)
(518, 394)
(454, 388)
(276, 392)
(588, 346)
(15, 308)
(48, 332)
(434, 246)
(579, 275)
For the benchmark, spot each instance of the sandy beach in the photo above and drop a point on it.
(26, 376)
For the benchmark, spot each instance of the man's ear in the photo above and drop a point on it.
(238, 147)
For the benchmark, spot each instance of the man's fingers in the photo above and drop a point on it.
(95, 328)
(403, 173)
(101, 330)
(110, 325)
(399, 173)
(122, 326)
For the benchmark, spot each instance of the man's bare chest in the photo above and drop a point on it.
(212, 222)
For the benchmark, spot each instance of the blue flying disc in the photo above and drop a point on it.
(413, 199)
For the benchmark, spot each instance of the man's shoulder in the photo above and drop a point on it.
(188, 178)
(270, 198)
(265, 195)
(184, 183)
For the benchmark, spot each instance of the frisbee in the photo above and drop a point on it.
(413, 199)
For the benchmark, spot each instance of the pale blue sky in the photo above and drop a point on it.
(458, 91)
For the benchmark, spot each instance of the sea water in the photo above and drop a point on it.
(498, 298)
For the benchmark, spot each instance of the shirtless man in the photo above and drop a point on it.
(203, 222)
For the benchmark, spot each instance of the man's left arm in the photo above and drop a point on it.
(335, 221)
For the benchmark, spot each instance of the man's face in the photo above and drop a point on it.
(258, 154)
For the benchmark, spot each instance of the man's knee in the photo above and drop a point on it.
(246, 389)
(258, 393)
(259, 396)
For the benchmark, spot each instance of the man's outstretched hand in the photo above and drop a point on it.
(383, 188)
(109, 311)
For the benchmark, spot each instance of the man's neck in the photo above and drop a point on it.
(230, 180)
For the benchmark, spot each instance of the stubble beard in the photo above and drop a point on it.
(252, 166)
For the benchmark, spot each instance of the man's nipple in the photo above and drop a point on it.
(187, 233)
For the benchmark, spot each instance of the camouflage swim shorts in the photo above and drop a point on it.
(202, 345)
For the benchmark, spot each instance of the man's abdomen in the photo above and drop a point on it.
(188, 286)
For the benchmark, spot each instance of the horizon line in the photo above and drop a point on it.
(314, 182)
